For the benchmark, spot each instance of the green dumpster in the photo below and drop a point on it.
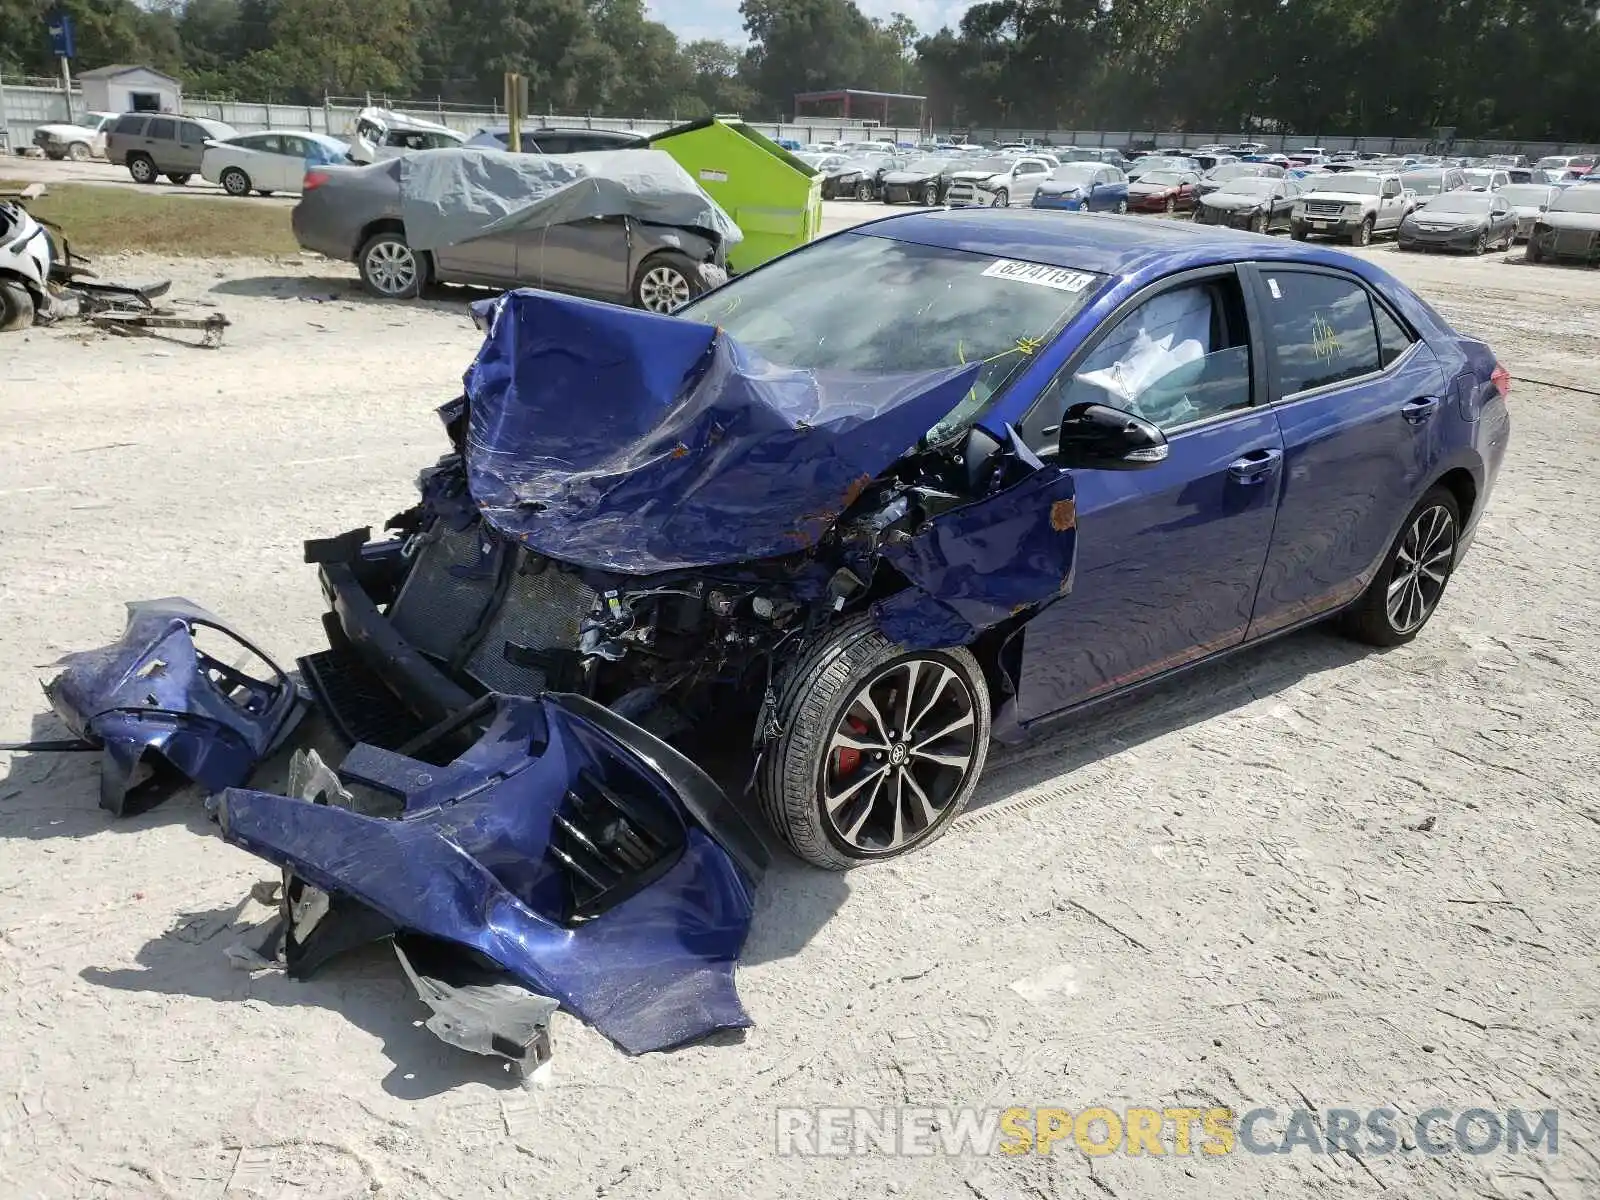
(771, 195)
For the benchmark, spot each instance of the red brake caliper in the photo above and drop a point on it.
(846, 759)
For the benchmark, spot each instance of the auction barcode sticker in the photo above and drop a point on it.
(1059, 278)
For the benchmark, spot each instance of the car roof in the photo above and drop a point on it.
(1109, 245)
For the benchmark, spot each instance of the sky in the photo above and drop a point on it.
(691, 19)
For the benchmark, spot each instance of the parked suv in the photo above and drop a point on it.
(152, 144)
(1351, 204)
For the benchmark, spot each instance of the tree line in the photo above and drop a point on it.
(1489, 68)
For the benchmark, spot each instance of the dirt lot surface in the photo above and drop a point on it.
(1309, 877)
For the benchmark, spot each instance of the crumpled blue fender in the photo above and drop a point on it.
(979, 564)
(476, 859)
(628, 441)
(154, 692)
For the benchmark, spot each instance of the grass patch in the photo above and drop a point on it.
(116, 220)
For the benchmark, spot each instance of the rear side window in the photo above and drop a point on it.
(1322, 329)
(130, 125)
(163, 129)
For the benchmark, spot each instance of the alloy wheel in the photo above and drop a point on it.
(142, 170)
(1421, 568)
(392, 267)
(900, 754)
(1122, 208)
(863, 190)
(663, 289)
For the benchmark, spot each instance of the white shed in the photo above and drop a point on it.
(120, 88)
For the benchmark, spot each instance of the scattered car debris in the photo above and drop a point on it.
(155, 699)
(42, 281)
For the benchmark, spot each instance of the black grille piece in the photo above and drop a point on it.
(543, 610)
(608, 846)
(356, 701)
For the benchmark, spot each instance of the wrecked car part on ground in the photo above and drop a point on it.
(43, 281)
(155, 699)
(586, 859)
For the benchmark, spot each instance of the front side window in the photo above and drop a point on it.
(1322, 329)
(131, 125)
(1180, 357)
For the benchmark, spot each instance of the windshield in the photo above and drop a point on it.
(927, 166)
(1360, 185)
(1162, 178)
(1554, 162)
(1585, 199)
(994, 165)
(862, 303)
(1176, 164)
(1479, 178)
(1424, 183)
(1233, 170)
(1249, 187)
(1526, 195)
(1073, 173)
(1466, 204)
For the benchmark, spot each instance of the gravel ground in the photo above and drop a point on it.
(1311, 876)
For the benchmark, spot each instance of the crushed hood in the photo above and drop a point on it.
(628, 441)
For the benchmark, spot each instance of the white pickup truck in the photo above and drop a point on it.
(1350, 204)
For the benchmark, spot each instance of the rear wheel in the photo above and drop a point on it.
(16, 305)
(389, 267)
(666, 281)
(235, 182)
(880, 751)
(1407, 588)
(179, 179)
(1258, 223)
(142, 167)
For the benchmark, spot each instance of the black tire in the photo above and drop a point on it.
(263, 191)
(863, 191)
(16, 305)
(78, 152)
(1370, 619)
(1002, 199)
(1258, 223)
(1298, 233)
(815, 697)
(384, 273)
(179, 179)
(143, 168)
(1533, 254)
(666, 280)
(1481, 246)
(930, 195)
(1363, 234)
(235, 182)
(1122, 208)
(1172, 205)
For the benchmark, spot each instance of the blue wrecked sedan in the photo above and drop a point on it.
(918, 486)
(1084, 187)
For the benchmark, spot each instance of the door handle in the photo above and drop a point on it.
(1255, 466)
(1419, 410)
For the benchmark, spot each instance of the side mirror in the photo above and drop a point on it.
(1099, 437)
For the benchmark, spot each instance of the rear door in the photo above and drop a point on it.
(288, 164)
(1169, 556)
(1358, 397)
(588, 258)
(160, 142)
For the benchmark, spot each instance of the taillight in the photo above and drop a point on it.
(313, 180)
(1501, 378)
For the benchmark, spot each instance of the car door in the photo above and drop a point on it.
(186, 152)
(1358, 396)
(1026, 177)
(160, 142)
(1502, 221)
(588, 257)
(289, 163)
(1170, 555)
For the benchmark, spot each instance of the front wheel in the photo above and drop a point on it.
(1533, 254)
(1363, 234)
(1481, 246)
(1408, 586)
(1002, 199)
(78, 152)
(863, 190)
(1172, 205)
(666, 282)
(880, 751)
(1121, 209)
(235, 182)
(16, 305)
(930, 195)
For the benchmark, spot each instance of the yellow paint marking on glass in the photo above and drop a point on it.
(1324, 341)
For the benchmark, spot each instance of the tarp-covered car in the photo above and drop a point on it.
(628, 226)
